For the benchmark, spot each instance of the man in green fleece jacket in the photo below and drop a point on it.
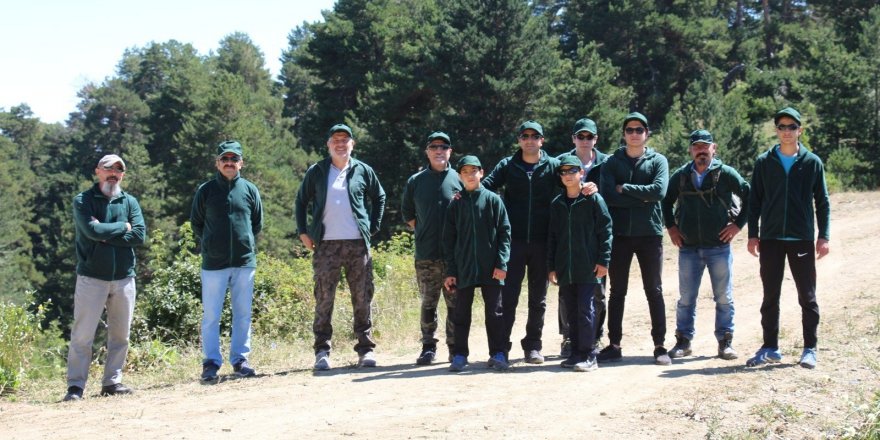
(787, 182)
(703, 213)
(423, 207)
(633, 183)
(476, 243)
(346, 203)
(109, 225)
(226, 216)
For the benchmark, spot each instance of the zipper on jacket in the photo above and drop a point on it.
(229, 216)
(570, 268)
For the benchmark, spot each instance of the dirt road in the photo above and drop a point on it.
(697, 397)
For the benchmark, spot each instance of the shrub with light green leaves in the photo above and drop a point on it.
(26, 350)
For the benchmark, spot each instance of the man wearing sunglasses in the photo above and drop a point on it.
(530, 183)
(633, 183)
(787, 182)
(423, 207)
(109, 225)
(226, 216)
(585, 136)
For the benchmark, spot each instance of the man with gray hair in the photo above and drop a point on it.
(109, 225)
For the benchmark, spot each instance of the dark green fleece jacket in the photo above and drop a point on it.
(635, 211)
(365, 195)
(526, 196)
(580, 238)
(226, 217)
(425, 198)
(476, 238)
(104, 246)
(781, 205)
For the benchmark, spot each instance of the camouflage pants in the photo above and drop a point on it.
(429, 274)
(330, 258)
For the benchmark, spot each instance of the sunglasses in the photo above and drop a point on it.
(568, 171)
(789, 127)
(233, 159)
(585, 137)
(439, 147)
(114, 169)
(526, 137)
(636, 130)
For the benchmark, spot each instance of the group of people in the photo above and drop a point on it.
(573, 220)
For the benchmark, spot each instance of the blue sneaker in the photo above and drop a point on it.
(808, 358)
(499, 362)
(459, 363)
(763, 356)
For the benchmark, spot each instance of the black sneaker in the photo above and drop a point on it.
(610, 354)
(429, 353)
(209, 371)
(682, 347)
(569, 363)
(115, 389)
(243, 369)
(73, 394)
(725, 349)
(661, 356)
(565, 348)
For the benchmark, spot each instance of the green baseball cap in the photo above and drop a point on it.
(229, 147)
(531, 125)
(584, 124)
(790, 112)
(636, 116)
(468, 160)
(701, 136)
(340, 128)
(569, 160)
(439, 135)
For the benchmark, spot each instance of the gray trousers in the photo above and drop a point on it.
(90, 298)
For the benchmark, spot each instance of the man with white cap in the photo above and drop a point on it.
(109, 225)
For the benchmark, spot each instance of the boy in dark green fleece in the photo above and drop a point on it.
(788, 180)
(578, 251)
(476, 244)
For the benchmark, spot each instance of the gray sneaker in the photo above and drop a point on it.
(322, 360)
(367, 359)
(725, 350)
(534, 357)
(661, 356)
(587, 365)
(682, 347)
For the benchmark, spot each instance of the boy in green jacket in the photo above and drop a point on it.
(476, 244)
(578, 251)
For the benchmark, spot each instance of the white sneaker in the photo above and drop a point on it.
(322, 361)
(367, 359)
(587, 365)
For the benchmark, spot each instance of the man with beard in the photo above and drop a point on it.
(109, 225)
(702, 214)
(226, 216)
(425, 198)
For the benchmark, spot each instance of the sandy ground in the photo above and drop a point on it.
(697, 397)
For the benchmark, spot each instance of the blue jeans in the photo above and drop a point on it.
(240, 282)
(691, 262)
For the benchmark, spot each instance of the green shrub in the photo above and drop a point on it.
(26, 350)
(283, 301)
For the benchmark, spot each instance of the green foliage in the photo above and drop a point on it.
(283, 300)
(26, 350)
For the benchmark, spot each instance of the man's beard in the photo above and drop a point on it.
(703, 160)
(111, 189)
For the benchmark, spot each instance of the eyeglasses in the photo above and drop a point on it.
(526, 137)
(233, 159)
(568, 171)
(789, 127)
(585, 137)
(636, 130)
(439, 147)
(114, 169)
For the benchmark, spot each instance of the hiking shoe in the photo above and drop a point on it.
(427, 356)
(534, 357)
(243, 369)
(73, 394)
(808, 358)
(725, 350)
(209, 371)
(610, 354)
(587, 365)
(367, 359)
(322, 361)
(763, 356)
(115, 389)
(682, 347)
(459, 363)
(565, 348)
(499, 362)
(569, 363)
(661, 356)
